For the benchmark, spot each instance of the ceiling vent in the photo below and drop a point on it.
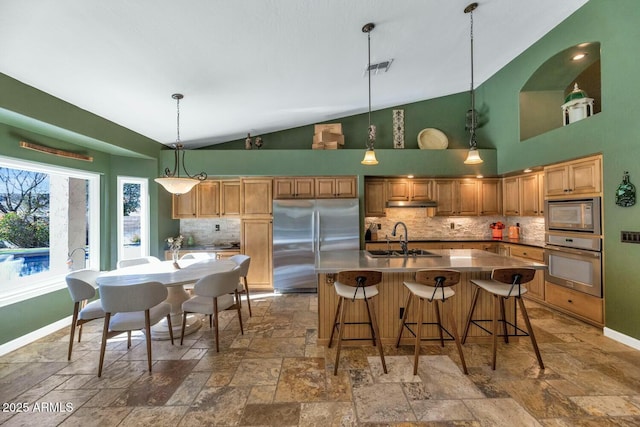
(380, 67)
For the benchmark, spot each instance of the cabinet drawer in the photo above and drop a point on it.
(535, 254)
(584, 305)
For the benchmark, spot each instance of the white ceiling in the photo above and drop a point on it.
(257, 65)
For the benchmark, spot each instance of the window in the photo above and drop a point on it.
(49, 225)
(133, 217)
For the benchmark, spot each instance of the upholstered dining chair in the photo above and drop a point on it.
(214, 293)
(133, 307)
(82, 287)
(243, 262)
(199, 255)
(137, 261)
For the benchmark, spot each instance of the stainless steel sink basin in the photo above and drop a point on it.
(398, 254)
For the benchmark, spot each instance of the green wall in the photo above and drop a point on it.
(614, 132)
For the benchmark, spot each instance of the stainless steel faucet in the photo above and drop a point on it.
(404, 244)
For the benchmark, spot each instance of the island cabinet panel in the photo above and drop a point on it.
(391, 298)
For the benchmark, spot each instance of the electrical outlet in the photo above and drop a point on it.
(379, 226)
(217, 227)
(453, 225)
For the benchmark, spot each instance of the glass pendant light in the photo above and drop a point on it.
(370, 154)
(473, 157)
(171, 181)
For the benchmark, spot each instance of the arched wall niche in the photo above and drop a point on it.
(542, 96)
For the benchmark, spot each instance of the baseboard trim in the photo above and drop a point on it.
(33, 336)
(624, 339)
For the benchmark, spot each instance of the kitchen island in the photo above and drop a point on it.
(472, 264)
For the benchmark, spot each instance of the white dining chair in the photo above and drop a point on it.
(82, 287)
(132, 307)
(243, 262)
(199, 255)
(213, 293)
(137, 261)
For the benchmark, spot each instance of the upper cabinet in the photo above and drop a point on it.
(209, 199)
(580, 177)
(490, 196)
(326, 187)
(524, 195)
(548, 100)
(456, 197)
(375, 198)
(256, 197)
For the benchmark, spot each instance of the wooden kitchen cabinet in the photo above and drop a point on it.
(511, 187)
(531, 191)
(580, 177)
(293, 188)
(457, 197)
(421, 189)
(374, 198)
(490, 196)
(256, 197)
(398, 190)
(257, 242)
(344, 187)
(536, 286)
(203, 201)
(230, 198)
(583, 306)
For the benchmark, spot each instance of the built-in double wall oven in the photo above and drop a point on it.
(573, 250)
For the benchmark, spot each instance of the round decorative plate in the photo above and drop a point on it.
(432, 139)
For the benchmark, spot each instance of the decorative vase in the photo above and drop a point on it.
(496, 233)
(175, 255)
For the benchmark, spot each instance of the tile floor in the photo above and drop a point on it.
(275, 375)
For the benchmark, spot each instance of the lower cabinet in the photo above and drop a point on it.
(583, 306)
(257, 242)
(536, 286)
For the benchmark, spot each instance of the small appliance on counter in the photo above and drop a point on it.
(514, 231)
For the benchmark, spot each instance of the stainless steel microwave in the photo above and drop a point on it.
(581, 215)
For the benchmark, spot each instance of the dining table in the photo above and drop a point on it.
(174, 276)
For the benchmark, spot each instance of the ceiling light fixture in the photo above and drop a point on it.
(473, 157)
(370, 154)
(578, 56)
(171, 181)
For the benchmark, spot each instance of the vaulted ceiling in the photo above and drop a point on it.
(257, 65)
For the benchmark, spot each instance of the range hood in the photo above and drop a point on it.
(412, 204)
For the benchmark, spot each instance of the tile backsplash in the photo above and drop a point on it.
(422, 227)
(204, 230)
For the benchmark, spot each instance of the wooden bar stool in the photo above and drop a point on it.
(432, 286)
(505, 283)
(353, 286)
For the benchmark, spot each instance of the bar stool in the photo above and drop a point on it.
(353, 286)
(432, 286)
(505, 283)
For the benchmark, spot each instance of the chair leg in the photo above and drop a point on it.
(335, 320)
(439, 320)
(474, 301)
(525, 315)
(246, 291)
(456, 337)
(147, 329)
(496, 309)
(404, 318)
(340, 331)
(128, 339)
(215, 323)
(503, 313)
(240, 315)
(170, 327)
(416, 349)
(74, 319)
(103, 346)
(184, 324)
(373, 332)
(374, 323)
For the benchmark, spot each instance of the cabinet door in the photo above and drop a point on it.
(511, 189)
(421, 189)
(541, 192)
(490, 197)
(557, 180)
(257, 242)
(305, 188)
(445, 197)
(325, 188)
(374, 198)
(584, 176)
(467, 197)
(185, 205)
(208, 205)
(398, 189)
(284, 188)
(346, 187)
(529, 197)
(230, 199)
(256, 197)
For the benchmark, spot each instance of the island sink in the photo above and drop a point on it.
(398, 254)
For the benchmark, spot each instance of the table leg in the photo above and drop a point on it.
(160, 331)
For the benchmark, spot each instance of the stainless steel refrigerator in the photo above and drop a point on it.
(303, 228)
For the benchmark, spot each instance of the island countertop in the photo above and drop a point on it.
(458, 259)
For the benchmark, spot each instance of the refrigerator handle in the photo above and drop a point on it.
(316, 240)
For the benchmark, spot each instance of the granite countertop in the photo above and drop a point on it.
(458, 259)
(217, 248)
(526, 242)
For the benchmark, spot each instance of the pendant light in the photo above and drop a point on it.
(473, 157)
(171, 181)
(370, 154)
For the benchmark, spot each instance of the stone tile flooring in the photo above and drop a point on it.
(275, 375)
